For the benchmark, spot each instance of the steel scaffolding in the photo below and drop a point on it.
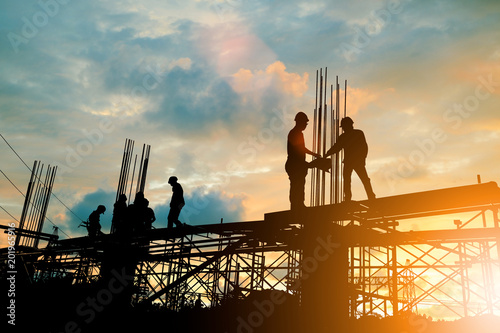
(443, 273)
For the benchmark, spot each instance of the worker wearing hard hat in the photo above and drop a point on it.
(176, 203)
(353, 142)
(93, 223)
(296, 165)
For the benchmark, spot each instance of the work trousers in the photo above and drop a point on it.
(363, 176)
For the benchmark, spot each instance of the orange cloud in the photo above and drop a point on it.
(357, 99)
(275, 75)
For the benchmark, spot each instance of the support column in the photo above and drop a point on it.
(325, 306)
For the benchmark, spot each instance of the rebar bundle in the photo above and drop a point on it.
(35, 205)
(326, 130)
(125, 176)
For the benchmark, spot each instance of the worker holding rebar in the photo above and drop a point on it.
(296, 165)
(149, 215)
(353, 142)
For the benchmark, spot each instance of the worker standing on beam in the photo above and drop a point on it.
(119, 215)
(296, 166)
(176, 203)
(353, 142)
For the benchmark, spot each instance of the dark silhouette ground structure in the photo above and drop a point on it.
(319, 293)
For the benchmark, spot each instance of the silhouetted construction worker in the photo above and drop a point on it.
(355, 151)
(94, 225)
(176, 203)
(136, 213)
(149, 217)
(119, 215)
(296, 165)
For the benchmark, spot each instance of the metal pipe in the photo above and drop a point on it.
(132, 178)
(320, 124)
(315, 148)
(325, 117)
(139, 174)
(27, 200)
(332, 142)
(119, 189)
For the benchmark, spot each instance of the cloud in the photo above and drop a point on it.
(194, 101)
(357, 99)
(226, 46)
(274, 77)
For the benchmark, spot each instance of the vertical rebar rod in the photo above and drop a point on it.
(127, 169)
(315, 148)
(340, 156)
(34, 206)
(31, 204)
(122, 170)
(345, 115)
(27, 200)
(320, 124)
(337, 133)
(345, 98)
(145, 169)
(123, 188)
(49, 183)
(332, 142)
(139, 173)
(132, 178)
(323, 152)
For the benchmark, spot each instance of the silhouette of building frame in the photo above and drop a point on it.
(453, 270)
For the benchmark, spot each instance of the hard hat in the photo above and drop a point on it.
(301, 116)
(347, 121)
(172, 179)
(101, 208)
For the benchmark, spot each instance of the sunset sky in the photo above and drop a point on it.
(213, 87)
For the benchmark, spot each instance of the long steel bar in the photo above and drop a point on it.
(49, 183)
(315, 145)
(323, 151)
(318, 139)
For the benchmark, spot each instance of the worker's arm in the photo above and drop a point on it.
(312, 153)
(334, 150)
(338, 146)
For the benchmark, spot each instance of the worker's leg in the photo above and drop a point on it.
(347, 183)
(172, 217)
(297, 191)
(297, 175)
(363, 175)
(177, 222)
